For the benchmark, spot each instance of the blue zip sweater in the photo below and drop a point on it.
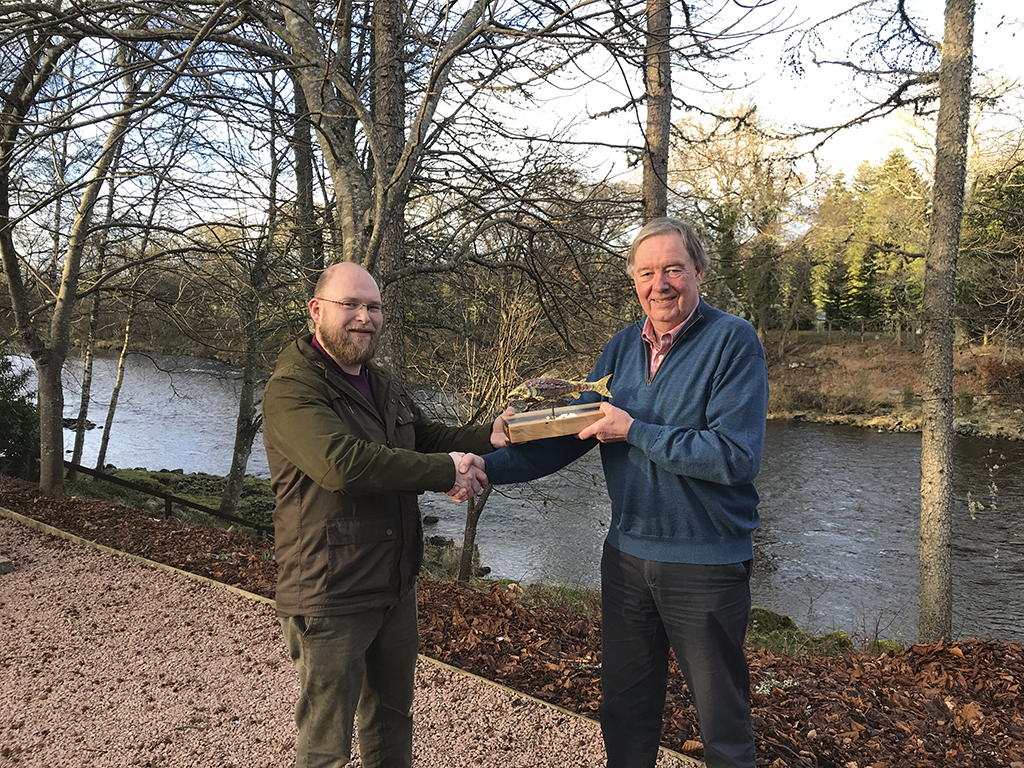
(682, 483)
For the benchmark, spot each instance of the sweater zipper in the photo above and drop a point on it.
(647, 356)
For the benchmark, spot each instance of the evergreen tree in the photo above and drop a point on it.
(863, 303)
(832, 295)
(990, 289)
(19, 419)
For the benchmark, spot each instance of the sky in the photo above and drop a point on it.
(823, 95)
(826, 94)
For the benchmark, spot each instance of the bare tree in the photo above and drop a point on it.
(49, 352)
(85, 78)
(659, 38)
(352, 65)
(493, 370)
(81, 423)
(742, 189)
(541, 291)
(115, 394)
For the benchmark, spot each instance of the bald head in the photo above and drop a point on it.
(346, 313)
(341, 276)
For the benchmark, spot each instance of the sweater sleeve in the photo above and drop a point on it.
(539, 458)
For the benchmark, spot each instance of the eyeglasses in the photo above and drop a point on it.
(354, 306)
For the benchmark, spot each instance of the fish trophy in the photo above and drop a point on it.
(553, 422)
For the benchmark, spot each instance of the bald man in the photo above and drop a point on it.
(349, 452)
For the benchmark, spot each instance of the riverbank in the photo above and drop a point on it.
(877, 384)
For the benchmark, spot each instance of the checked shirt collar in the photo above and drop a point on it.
(659, 348)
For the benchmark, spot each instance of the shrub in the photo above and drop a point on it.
(579, 602)
(964, 404)
(852, 395)
(807, 399)
(780, 634)
(1004, 381)
(846, 404)
(442, 558)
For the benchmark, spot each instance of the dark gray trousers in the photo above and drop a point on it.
(358, 665)
(701, 611)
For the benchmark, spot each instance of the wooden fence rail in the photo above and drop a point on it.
(169, 499)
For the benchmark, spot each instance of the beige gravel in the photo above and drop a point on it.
(107, 661)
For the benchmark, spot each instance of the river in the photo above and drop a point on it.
(836, 549)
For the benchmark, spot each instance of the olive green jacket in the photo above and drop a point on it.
(347, 529)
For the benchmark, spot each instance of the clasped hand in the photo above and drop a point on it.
(470, 477)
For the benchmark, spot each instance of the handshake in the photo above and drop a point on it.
(470, 477)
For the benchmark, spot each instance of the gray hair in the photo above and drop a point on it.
(668, 225)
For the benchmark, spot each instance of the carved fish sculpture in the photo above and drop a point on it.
(552, 389)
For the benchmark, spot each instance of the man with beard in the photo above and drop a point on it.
(349, 451)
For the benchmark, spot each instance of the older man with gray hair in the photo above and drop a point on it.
(680, 447)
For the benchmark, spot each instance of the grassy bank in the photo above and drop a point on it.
(256, 502)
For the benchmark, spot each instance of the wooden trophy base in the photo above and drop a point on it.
(550, 422)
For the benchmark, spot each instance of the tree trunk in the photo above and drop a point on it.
(101, 457)
(256, 267)
(332, 115)
(658, 86)
(51, 440)
(311, 248)
(248, 422)
(389, 115)
(798, 296)
(82, 422)
(21, 93)
(50, 355)
(935, 620)
(94, 318)
(474, 507)
(51, 423)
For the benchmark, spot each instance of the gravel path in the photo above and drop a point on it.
(105, 661)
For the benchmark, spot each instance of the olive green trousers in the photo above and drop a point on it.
(361, 666)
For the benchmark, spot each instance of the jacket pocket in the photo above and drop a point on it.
(405, 425)
(362, 554)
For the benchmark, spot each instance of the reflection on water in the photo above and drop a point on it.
(837, 546)
(840, 523)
